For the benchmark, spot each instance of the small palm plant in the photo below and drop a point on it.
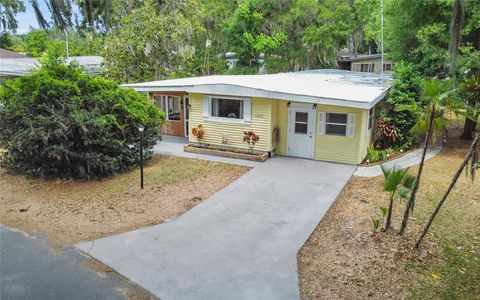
(437, 100)
(399, 184)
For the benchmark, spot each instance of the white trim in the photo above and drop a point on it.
(240, 91)
(350, 125)
(321, 122)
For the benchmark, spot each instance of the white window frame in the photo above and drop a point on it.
(349, 126)
(164, 100)
(385, 67)
(247, 109)
(331, 123)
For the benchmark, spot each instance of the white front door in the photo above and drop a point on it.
(301, 135)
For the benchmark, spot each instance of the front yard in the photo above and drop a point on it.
(73, 211)
(343, 260)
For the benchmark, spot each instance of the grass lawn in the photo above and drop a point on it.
(343, 259)
(72, 211)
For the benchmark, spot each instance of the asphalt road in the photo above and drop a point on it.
(31, 267)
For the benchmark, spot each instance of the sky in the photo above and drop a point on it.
(27, 20)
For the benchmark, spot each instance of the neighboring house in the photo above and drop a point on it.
(232, 61)
(15, 67)
(4, 53)
(365, 63)
(318, 114)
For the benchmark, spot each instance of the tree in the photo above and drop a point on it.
(245, 36)
(436, 101)
(470, 92)
(455, 37)
(59, 122)
(393, 179)
(8, 13)
(417, 32)
(405, 90)
(472, 157)
(36, 42)
(148, 45)
(5, 40)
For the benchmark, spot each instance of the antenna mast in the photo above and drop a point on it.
(381, 18)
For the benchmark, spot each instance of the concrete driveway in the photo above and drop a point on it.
(241, 243)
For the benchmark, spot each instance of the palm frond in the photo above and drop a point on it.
(408, 181)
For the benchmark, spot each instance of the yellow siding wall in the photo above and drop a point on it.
(341, 148)
(268, 113)
(261, 123)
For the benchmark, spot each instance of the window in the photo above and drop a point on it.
(170, 105)
(370, 118)
(227, 108)
(336, 124)
(363, 67)
(301, 122)
(387, 67)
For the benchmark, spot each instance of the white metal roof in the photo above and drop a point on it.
(325, 86)
(21, 66)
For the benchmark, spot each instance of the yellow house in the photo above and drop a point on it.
(318, 114)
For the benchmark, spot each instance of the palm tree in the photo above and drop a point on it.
(472, 156)
(393, 179)
(435, 96)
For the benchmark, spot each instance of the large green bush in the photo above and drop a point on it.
(58, 121)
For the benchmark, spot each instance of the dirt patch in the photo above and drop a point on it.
(73, 211)
(343, 259)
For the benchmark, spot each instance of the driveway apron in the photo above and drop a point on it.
(241, 243)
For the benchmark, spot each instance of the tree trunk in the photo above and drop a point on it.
(450, 187)
(388, 222)
(416, 184)
(455, 37)
(469, 129)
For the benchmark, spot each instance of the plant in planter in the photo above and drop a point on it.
(251, 138)
(199, 133)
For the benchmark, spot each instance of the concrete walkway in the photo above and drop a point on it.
(173, 146)
(411, 159)
(241, 243)
(32, 268)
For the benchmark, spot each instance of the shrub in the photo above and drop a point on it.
(374, 155)
(198, 132)
(58, 121)
(251, 138)
(405, 91)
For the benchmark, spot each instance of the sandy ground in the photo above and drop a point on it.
(343, 259)
(73, 211)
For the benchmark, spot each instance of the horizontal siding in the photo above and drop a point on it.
(340, 148)
(260, 124)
